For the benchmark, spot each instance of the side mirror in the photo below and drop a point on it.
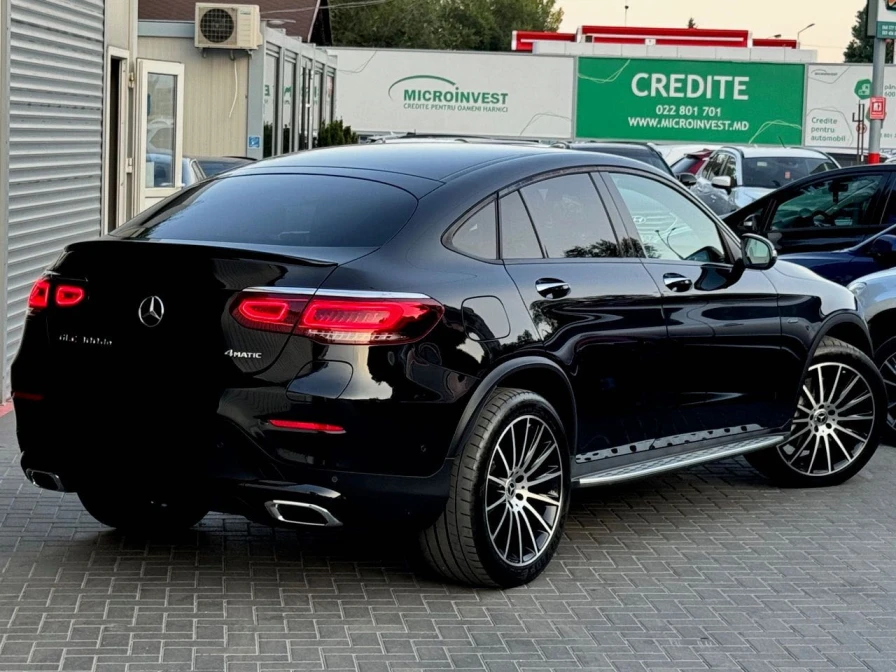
(687, 179)
(725, 183)
(883, 249)
(757, 252)
(750, 224)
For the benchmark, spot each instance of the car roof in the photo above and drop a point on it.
(775, 152)
(439, 161)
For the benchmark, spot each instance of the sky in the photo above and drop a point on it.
(765, 18)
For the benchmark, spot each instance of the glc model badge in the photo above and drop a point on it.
(151, 311)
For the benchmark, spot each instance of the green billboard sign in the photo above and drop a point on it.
(718, 102)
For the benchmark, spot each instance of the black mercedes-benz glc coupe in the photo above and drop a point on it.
(446, 336)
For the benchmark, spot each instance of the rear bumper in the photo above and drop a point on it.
(226, 467)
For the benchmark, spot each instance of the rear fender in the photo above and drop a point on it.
(511, 371)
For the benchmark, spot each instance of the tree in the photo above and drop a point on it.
(692, 23)
(861, 48)
(484, 25)
(336, 133)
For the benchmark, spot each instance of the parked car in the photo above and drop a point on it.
(691, 164)
(448, 336)
(191, 171)
(674, 153)
(644, 152)
(841, 223)
(734, 177)
(215, 165)
(876, 295)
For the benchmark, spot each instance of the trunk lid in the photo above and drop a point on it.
(157, 316)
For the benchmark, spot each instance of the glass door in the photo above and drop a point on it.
(160, 150)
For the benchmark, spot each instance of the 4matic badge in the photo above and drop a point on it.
(239, 354)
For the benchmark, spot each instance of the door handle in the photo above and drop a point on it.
(677, 283)
(552, 288)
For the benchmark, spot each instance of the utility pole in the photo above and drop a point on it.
(877, 90)
(881, 26)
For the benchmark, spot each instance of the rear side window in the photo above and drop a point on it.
(518, 239)
(478, 236)
(570, 218)
(287, 210)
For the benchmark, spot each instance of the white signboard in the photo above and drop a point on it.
(502, 95)
(833, 95)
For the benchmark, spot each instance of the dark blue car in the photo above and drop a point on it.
(841, 224)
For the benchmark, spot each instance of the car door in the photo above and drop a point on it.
(596, 310)
(722, 360)
(828, 213)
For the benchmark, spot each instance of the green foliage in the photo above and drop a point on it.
(861, 48)
(480, 25)
(336, 133)
(692, 23)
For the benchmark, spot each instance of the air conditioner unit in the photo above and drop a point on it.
(222, 26)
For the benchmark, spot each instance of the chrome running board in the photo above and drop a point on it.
(628, 472)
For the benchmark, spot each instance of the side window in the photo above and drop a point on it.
(669, 225)
(730, 167)
(838, 202)
(478, 236)
(570, 218)
(712, 167)
(518, 239)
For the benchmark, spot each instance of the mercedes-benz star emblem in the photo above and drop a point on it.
(151, 311)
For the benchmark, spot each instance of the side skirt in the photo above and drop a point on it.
(661, 465)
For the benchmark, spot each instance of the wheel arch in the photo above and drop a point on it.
(847, 327)
(882, 327)
(533, 373)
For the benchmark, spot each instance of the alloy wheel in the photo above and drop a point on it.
(524, 491)
(888, 371)
(833, 421)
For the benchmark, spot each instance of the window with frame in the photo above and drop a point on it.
(669, 225)
(478, 236)
(570, 218)
(713, 167)
(518, 239)
(840, 202)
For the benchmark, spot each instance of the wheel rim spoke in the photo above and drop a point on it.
(834, 404)
(855, 402)
(526, 474)
(834, 386)
(544, 479)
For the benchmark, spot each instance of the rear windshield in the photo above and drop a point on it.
(214, 167)
(776, 172)
(287, 210)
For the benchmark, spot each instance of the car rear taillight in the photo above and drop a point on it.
(351, 321)
(369, 322)
(63, 295)
(69, 295)
(40, 295)
(269, 313)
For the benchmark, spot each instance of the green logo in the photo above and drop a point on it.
(429, 92)
(863, 89)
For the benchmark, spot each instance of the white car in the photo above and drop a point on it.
(734, 177)
(876, 296)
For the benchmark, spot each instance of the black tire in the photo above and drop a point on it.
(775, 463)
(458, 546)
(141, 513)
(885, 353)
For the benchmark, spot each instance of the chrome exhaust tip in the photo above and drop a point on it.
(301, 513)
(45, 480)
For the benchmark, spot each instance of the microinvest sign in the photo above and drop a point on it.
(439, 94)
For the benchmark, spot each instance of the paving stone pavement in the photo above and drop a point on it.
(708, 569)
